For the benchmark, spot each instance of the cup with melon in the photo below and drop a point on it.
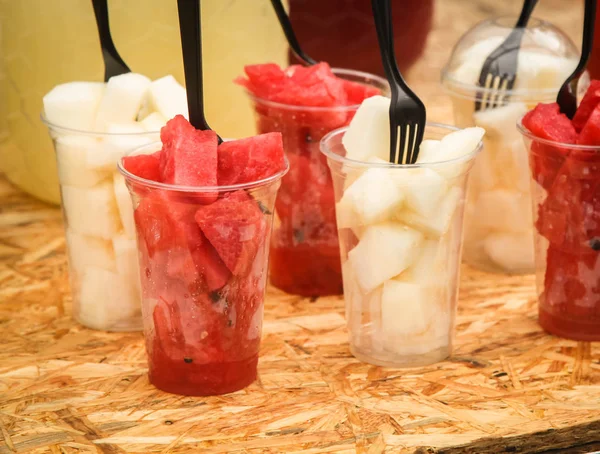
(400, 233)
(203, 214)
(93, 125)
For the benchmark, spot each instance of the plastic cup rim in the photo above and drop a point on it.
(326, 150)
(82, 132)
(341, 71)
(530, 135)
(194, 189)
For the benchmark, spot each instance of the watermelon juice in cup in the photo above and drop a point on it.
(304, 104)
(203, 215)
(564, 158)
(400, 230)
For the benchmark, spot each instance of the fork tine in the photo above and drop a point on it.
(403, 152)
(486, 92)
(411, 128)
(502, 94)
(419, 134)
(493, 98)
(394, 144)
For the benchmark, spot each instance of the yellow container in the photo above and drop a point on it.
(44, 43)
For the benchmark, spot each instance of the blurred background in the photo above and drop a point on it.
(44, 43)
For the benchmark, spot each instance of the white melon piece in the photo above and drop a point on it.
(439, 223)
(428, 151)
(124, 204)
(126, 257)
(500, 123)
(373, 197)
(106, 299)
(484, 175)
(384, 251)
(71, 157)
(423, 189)
(87, 251)
(432, 264)
(369, 132)
(511, 251)
(120, 140)
(539, 71)
(74, 104)
(460, 143)
(503, 210)
(122, 99)
(407, 309)
(92, 211)
(153, 122)
(168, 97)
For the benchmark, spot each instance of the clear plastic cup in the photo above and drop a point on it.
(400, 231)
(498, 224)
(565, 181)
(305, 258)
(99, 226)
(203, 254)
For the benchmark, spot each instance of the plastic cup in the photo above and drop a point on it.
(565, 181)
(203, 264)
(400, 268)
(99, 227)
(304, 246)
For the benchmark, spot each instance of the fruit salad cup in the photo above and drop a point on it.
(100, 232)
(498, 223)
(400, 231)
(566, 207)
(203, 254)
(305, 257)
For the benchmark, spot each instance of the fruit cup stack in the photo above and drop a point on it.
(304, 104)
(400, 229)
(92, 126)
(565, 167)
(203, 215)
(498, 222)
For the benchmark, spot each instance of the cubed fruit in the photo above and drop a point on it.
(384, 251)
(145, 166)
(71, 156)
(590, 133)
(504, 210)
(547, 122)
(428, 151)
(122, 99)
(460, 143)
(92, 211)
(250, 159)
(126, 257)
(439, 223)
(121, 139)
(373, 197)
(407, 309)
(189, 156)
(74, 104)
(510, 251)
(431, 265)
(153, 122)
(235, 227)
(513, 161)
(264, 80)
(588, 104)
(357, 92)
(500, 123)
(484, 174)
(168, 97)
(423, 189)
(87, 251)
(369, 132)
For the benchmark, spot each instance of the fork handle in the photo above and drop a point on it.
(528, 6)
(288, 31)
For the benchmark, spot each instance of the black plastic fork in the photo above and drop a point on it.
(286, 26)
(499, 70)
(407, 111)
(113, 63)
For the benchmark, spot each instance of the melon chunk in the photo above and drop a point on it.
(503, 210)
(407, 309)
(384, 251)
(439, 223)
(460, 143)
(428, 151)
(153, 122)
(71, 157)
(122, 99)
(74, 104)
(124, 205)
(423, 189)
(168, 97)
(87, 251)
(432, 264)
(92, 211)
(123, 138)
(369, 132)
(511, 251)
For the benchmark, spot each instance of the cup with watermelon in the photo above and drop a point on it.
(203, 214)
(304, 104)
(564, 158)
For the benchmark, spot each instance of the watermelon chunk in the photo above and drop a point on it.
(590, 134)
(588, 104)
(356, 92)
(235, 226)
(250, 159)
(145, 166)
(189, 156)
(264, 81)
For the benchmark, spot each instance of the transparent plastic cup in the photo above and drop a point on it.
(498, 224)
(565, 181)
(400, 260)
(305, 257)
(99, 227)
(203, 255)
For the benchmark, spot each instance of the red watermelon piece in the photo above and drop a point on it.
(250, 159)
(189, 156)
(235, 226)
(590, 134)
(588, 104)
(356, 92)
(264, 81)
(145, 166)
